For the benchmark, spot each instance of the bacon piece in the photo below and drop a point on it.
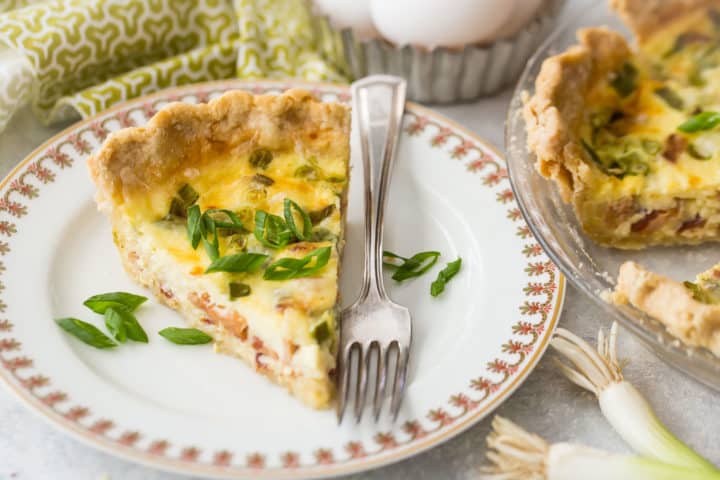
(231, 321)
(650, 222)
(674, 145)
(696, 222)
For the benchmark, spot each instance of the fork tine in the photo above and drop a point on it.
(398, 390)
(392, 360)
(380, 381)
(361, 386)
(344, 370)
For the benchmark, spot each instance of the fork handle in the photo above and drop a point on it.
(378, 102)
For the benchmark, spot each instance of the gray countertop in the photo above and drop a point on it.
(546, 403)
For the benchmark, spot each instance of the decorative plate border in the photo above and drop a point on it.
(538, 314)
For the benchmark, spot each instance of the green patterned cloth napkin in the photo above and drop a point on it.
(78, 57)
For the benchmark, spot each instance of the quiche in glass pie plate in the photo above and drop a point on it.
(614, 156)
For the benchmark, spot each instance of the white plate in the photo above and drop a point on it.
(189, 410)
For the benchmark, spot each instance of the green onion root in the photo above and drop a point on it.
(515, 454)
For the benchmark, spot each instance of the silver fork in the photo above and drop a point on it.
(374, 326)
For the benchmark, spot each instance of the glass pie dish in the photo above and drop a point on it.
(590, 267)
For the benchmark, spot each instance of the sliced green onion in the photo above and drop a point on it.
(695, 152)
(238, 289)
(188, 195)
(185, 197)
(271, 230)
(289, 268)
(306, 231)
(193, 226)
(306, 171)
(123, 325)
(701, 294)
(237, 243)
(208, 231)
(622, 405)
(261, 158)
(320, 215)
(624, 80)
(515, 454)
(447, 273)
(701, 121)
(670, 97)
(411, 267)
(232, 223)
(322, 235)
(320, 331)
(85, 332)
(115, 325)
(185, 336)
(117, 300)
(177, 209)
(209, 225)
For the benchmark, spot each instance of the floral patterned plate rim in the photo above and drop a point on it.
(195, 412)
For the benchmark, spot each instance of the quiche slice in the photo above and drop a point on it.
(629, 135)
(689, 310)
(231, 212)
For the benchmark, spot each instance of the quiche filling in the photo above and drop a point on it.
(243, 235)
(637, 151)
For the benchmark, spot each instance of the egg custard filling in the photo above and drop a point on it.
(232, 214)
(631, 138)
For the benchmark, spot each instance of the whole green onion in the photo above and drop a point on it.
(621, 403)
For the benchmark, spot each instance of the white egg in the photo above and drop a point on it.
(354, 14)
(449, 23)
(522, 14)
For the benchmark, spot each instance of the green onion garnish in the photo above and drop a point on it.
(670, 97)
(117, 300)
(123, 325)
(185, 336)
(261, 158)
(701, 121)
(183, 199)
(238, 290)
(289, 268)
(271, 230)
(319, 215)
(411, 267)
(242, 262)
(624, 80)
(306, 231)
(447, 273)
(85, 332)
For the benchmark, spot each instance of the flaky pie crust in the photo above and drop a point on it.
(181, 136)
